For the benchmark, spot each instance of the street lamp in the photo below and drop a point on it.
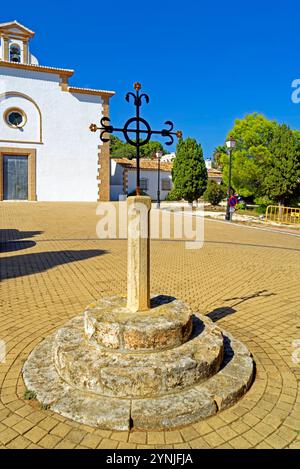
(158, 156)
(230, 144)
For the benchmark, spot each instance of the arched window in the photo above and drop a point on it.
(15, 53)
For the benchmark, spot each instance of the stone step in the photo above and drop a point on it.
(110, 324)
(201, 401)
(181, 408)
(110, 373)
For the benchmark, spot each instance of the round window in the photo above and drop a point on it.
(15, 118)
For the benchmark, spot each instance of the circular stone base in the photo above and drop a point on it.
(120, 389)
(111, 373)
(110, 324)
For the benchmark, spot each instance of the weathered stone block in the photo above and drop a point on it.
(175, 409)
(106, 413)
(109, 323)
(133, 381)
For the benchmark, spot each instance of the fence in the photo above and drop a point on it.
(280, 214)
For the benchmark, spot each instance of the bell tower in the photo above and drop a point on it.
(14, 45)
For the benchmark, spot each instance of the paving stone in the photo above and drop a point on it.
(108, 444)
(235, 257)
(173, 437)
(120, 436)
(19, 443)
(123, 445)
(23, 426)
(49, 441)
(137, 437)
(7, 435)
(35, 434)
(65, 444)
(155, 438)
(61, 430)
(199, 443)
(91, 441)
(240, 443)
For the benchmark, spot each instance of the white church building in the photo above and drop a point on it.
(47, 152)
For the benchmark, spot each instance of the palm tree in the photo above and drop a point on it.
(217, 154)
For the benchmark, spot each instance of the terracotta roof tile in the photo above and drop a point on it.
(145, 163)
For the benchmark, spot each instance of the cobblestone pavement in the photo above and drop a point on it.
(246, 279)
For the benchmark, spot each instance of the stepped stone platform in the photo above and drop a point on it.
(160, 368)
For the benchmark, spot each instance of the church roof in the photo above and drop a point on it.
(76, 89)
(16, 27)
(39, 68)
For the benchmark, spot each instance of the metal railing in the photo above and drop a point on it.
(280, 214)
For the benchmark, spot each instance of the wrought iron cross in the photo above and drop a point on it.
(142, 130)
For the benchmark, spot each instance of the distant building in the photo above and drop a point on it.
(123, 177)
(169, 157)
(215, 175)
(208, 163)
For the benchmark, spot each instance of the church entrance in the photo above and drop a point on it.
(15, 177)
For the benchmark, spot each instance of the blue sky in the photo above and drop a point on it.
(203, 63)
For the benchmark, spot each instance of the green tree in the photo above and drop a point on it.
(152, 147)
(115, 143)
(251, 156)
(189, 172)
(214, 193)
(124, 151)
(281, 181)
(120, 149)
(219, 151)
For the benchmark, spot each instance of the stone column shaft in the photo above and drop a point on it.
(138, 263)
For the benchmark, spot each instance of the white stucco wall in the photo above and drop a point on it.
(67, 157)
(152, 176)
(116, 180)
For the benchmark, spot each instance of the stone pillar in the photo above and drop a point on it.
(5, 53)
(104, 162)
(138, 263)
(25, 52)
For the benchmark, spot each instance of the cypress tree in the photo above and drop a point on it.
(281, 182)
(189, 172)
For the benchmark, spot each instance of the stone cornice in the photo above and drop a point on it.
(37, 68)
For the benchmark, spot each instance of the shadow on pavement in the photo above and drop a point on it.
(10, 240)
(220, 313)
(258, 294)
(27, 264)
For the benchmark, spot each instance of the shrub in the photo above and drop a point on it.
(214, 193)
(261, 209)
(29, 395)
(173, 195)
(241, 206)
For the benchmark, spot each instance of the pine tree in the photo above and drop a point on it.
(189, 171)
(281, 182)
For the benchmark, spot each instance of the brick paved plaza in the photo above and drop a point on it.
(246, 279)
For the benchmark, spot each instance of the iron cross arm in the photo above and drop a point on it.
(145, 132)
(137, 131)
